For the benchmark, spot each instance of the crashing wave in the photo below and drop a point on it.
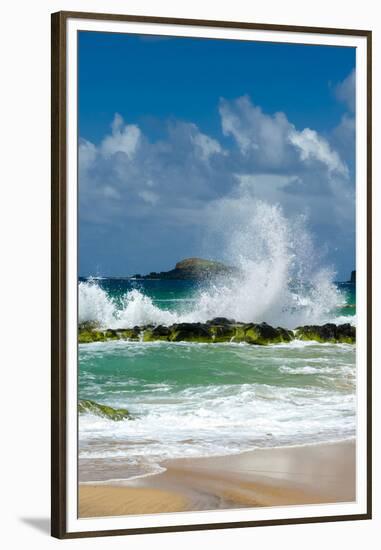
(278, 282)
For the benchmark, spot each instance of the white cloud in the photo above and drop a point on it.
(124, 139)
(127, 175)
(272, 142)
(256, 132)
(206, 145)
(344, 137)
(346, 91)
(87, 154)
(311, 146)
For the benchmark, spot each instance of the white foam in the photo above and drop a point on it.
(135, 309)
(220, 420)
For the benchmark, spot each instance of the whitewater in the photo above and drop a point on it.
(194, 400)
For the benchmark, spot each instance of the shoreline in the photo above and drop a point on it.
(302, 474)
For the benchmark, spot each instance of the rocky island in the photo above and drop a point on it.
(192, 269)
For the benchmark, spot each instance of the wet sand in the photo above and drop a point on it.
(105, 500)
(310, 474)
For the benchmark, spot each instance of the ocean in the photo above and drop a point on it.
(192, 400)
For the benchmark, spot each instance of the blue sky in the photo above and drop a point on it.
(170, 128)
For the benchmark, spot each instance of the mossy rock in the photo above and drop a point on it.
(285, 335)
(128, 334)
(239, 334)
(222, 333)
(159, 333)
(221, 321)
(88, 336)
(252, 335)
(88, 406)
(221, 329)
(329, 332)
(263, 334)
(111, 334)
(190, 332)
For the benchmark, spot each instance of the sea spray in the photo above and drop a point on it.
(134, 309)
(94, 305)
(277, 280)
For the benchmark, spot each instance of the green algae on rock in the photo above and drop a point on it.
(85, 336)
(263, 334)
(221, 330)
(88, 406)
(329, 332)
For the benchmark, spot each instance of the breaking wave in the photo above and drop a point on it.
(134, 309)
(277, 281)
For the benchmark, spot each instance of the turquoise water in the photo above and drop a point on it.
(203, 399)
(168, 294)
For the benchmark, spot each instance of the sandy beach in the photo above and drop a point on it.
(310, 474)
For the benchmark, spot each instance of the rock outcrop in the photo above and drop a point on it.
(327, 333)
(88, 406)
(221, 330)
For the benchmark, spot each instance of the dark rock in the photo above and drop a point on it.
(220, 321)
(329, 332)
(222, 333)
(161, 331)
(88, 336)
(190, 332)
(157, 333)
(129, 333)
(111, 334)
(263, 334)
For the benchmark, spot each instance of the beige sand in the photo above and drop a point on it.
(105, 500)
(268, 477)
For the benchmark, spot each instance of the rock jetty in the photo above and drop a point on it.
(220, 330)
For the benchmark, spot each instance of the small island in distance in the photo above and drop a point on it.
(199, 269)
(192, 268)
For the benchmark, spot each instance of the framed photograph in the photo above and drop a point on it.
(211, 274)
